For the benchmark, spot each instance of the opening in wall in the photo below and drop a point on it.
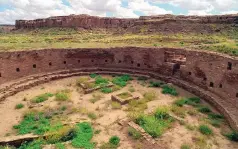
(0, 74)
(106, 60)
(220, 85)
(78, 61)
(64, 62)
(229, 66)
(92, 60)
(119, 61)
(138, 65)
(205, 79)
(50, 64)
(34, 65)
(237, 95)
(211, 84)
(132, 62)
(18, 69)
(190, 73)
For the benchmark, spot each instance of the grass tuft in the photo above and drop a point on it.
(42, 98)
(204, 129)
(19, 106)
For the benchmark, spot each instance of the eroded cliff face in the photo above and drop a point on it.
(161, 23)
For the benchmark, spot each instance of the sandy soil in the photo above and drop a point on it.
(107, 118)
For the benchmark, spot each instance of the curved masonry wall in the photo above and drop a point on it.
(211, 76)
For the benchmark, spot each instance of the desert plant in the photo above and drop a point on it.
(180, 102)
(166, 89)
(179, 111)
(121, 80)
(204, 129)
(233, 136)
(93, 75)
(62, 95)
(19, 106)
(92, 115)
(41, 98)
(115, 105)
(156, 84)
(59, 146)
(185, 146)
(115, 140)
(134, 133)
(204, 109)
(84, 134)
(106, 90)
(162, 113)
(95, 98)
(149, 96)
(131, 89)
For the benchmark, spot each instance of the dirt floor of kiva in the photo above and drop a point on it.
(122, 112)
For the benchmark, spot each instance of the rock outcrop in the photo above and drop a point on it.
(153, 23)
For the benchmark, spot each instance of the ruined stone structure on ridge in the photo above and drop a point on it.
(86, 21)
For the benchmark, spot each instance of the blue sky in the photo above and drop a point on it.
(11, 10)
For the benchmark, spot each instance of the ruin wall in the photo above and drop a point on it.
(211, 76)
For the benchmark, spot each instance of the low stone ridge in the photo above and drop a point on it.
(154, 23)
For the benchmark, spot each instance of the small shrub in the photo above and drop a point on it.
(59, 146)
(204, 109)
(84, 134)
(215, 123)
(185, 146)
(92, 116)
(179, 111)
(101, 81)
(204, 129)
(82, 80)
(162, 113)
(131, 89)
(155, 84)
(215, 116)
(115, 105)
(169, 90)
(93, 75)
(122, 80)
(115, 140)
(42, 98)
(233, 136)
(19, 106)
(194, 99)
(97, 132)
(180, 102)
(134, 133)
(106, 90)
(149, 96)
(124, 95)
(190, 127)
(62, 96)
(95, 98)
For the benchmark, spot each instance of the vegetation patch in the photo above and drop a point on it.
(106, 90)
(156, 84)
(42, 98)
(121, 80)
(112, 144)
(233, 136)
(93, 75)
(63, 95)
(95, 98)
(36, 123)
(124, 95)
(92, 115)
(155, 124)
(166, 89)
(115, 105)
(204, 129)
(19, 106)
(134, 133)
(84, 134)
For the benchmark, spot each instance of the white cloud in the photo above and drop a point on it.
(145, 7)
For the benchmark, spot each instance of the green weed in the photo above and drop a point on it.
(134, 133)
(42, 98)
(19, 106)
(204, 129)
